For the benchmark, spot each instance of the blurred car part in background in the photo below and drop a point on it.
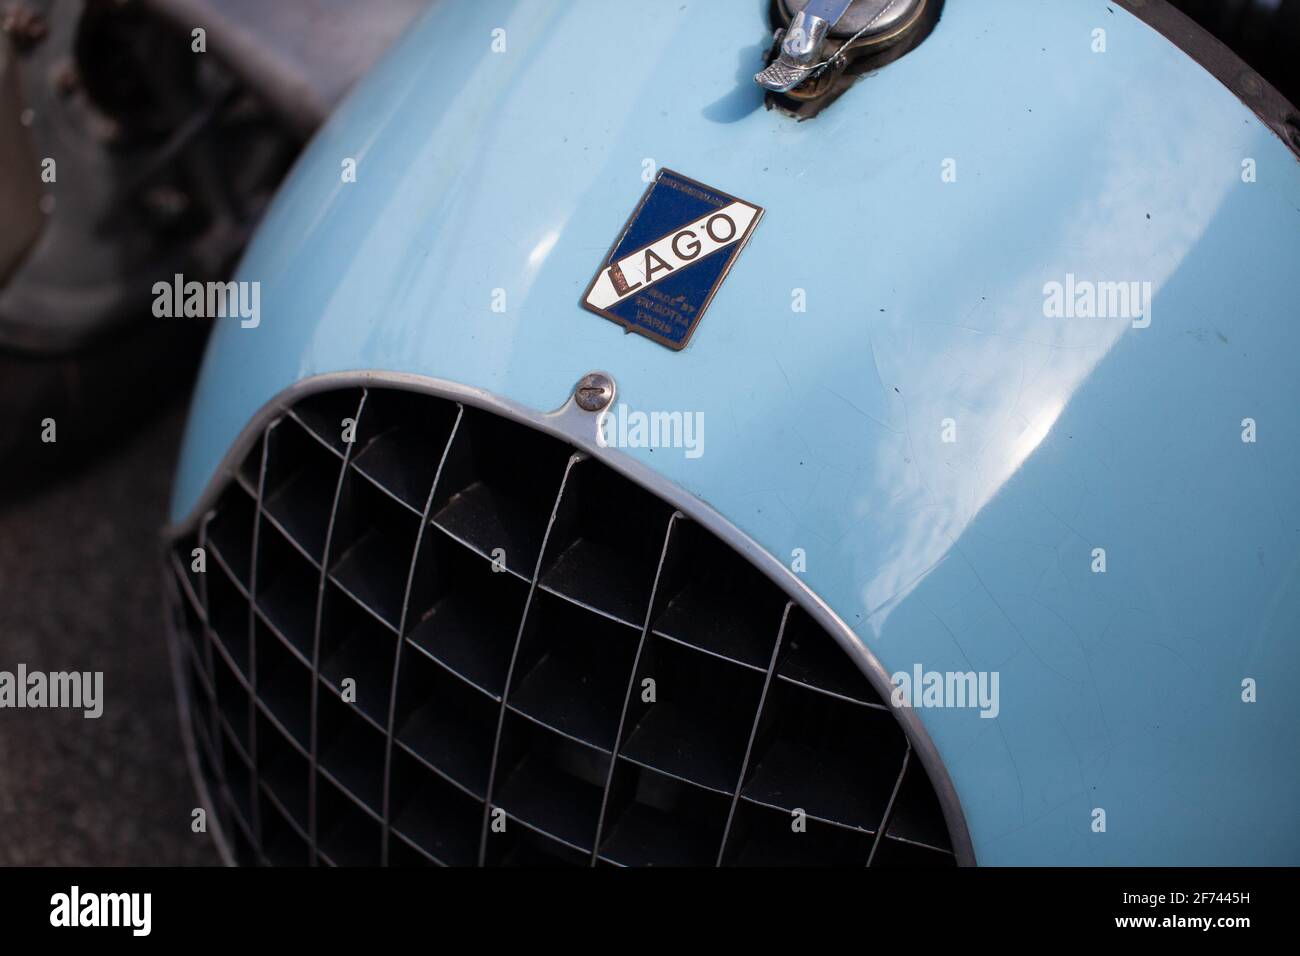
(19, 195)
(300, 56)
(156, 155)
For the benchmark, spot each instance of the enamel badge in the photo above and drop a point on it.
(670, 259)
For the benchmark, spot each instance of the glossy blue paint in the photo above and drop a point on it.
(925, 302)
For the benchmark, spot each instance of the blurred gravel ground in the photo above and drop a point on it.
(80, 589)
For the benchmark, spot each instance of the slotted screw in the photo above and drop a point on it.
(594, 392)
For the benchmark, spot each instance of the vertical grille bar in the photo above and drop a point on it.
(631, 680)
(214, 712)
(207, 615)
(574, 459)
(252, 652)
(401, 635)
(315, 654)
(753, 730)
(889, 809)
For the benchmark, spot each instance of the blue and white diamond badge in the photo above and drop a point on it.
(667, 264)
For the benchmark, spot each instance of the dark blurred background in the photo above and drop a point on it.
(164, 162)
(1264, 33)
(77, 592)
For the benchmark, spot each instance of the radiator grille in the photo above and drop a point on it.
(434, 644)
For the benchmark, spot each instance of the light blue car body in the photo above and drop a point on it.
(917, 220)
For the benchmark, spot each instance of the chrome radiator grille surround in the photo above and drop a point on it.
(433, 644)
